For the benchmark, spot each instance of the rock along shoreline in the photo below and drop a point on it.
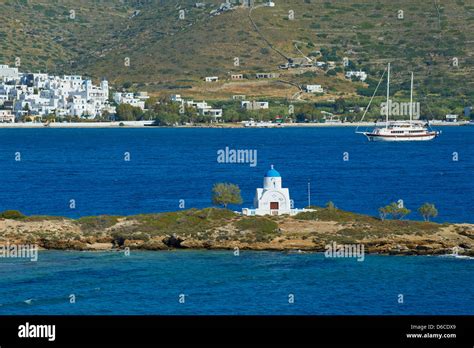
(220, 229)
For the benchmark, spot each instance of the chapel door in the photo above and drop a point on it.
(274, 205)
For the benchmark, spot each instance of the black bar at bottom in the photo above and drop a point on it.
(447, 331)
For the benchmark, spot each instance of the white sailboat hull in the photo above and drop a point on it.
(421, 137)
(399, 130)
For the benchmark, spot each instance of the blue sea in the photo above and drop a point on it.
(42, 170)
(167, 166)
(217, 282)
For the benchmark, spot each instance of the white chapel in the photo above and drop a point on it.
(272, 199)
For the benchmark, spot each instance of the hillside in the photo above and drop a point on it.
(169, 54)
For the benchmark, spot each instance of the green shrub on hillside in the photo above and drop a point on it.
(257, 224)
(331, 213)
(263, 229)
(12, 215)
(97, 223)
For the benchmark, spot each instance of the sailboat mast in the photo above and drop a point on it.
(411, 99)
(388, 96)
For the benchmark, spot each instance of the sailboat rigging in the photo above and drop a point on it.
(398, 130)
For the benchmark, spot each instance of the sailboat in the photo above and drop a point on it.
(399, 130)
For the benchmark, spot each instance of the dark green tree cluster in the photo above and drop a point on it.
(397, 211)
(225, 194)
(428, 211)
(163, 112)
(308, 113)
(127, 112)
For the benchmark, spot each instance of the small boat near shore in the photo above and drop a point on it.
(261, 124)
(449, 123)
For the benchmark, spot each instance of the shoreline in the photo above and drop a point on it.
(220, 229)
(287, 251)
(148, 124)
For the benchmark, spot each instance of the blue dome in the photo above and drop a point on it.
(272, 173)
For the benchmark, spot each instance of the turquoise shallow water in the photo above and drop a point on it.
(217, 282)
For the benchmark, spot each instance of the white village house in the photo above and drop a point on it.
(8, 74)
(41, 94)
(215, 114)
(176, 98)
(272, 199)
(203, 108)
(451, 118)
(254, 105)
(267, 75)
(6, 116)
(314, 89)
(136, 100)
(361, 75)
(211, 78)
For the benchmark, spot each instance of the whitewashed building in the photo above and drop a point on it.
(212, 79)
(361, 75)
(215, 114)
(272, 199)
(204, 109)
(130, 98)
(6, 116)
(176, 98)
(267, 75)
(41, 94)
(254, 105)
(7, 73)
(314, 89)
(451, 118)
